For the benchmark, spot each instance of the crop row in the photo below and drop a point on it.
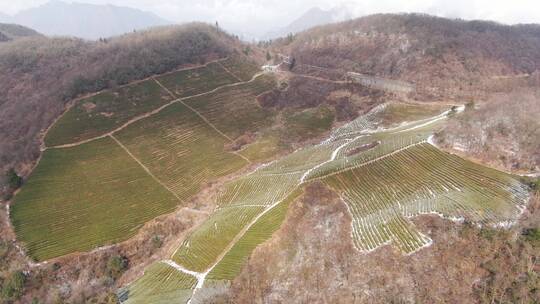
(106, 111)
(196, 81)
(381, 194)
(241, 67)
(83, 197)
(161, 284)
(235, 110)
(169, 144)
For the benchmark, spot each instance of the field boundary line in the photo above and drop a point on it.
(229, 71)
(148, 114)
(235, 240)
(194, 111)
(202, 116)
(367, 162)
(144, 167)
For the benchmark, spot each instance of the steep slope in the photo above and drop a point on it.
(87, 21)
(444, 58)
(39, 76)
(384, 186)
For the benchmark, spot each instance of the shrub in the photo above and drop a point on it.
(13, 286)
(13, 179)
(532, 235)
(116, 265)
(156, 242)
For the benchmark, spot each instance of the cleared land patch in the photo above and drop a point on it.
(83, 197)
(106, 111)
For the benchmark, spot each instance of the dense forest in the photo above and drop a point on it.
(40, 75)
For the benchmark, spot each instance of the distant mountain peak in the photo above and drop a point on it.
(312, 17)
(84, 20)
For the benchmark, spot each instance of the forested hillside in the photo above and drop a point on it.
(431, 52)
(492, 66)
(39, 75)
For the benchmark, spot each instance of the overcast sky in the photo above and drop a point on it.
(260, 15)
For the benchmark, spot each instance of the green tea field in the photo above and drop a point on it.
(120, 158)
(369, 162)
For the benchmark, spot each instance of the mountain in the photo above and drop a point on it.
(13, 31)
(429, 51)
(311, 18)
(86, 21)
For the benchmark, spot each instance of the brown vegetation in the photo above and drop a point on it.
(503, 131)
(444, 58)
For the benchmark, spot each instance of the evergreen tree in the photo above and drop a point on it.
(14, 180)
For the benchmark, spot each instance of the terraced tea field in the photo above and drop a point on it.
(123, 157)
(240, 68)
(110, 174)
(196, 81)
(86, 196)
(169, 144)
(111, 109)
(106, 111)
(421, 179)
(385, 174)
(235, 109)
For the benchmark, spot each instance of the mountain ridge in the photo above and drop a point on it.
(88, 21)
(313, 17)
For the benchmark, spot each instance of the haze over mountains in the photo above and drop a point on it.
(89, 21)
(312, 17)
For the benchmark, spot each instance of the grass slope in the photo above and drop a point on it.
(83, 197)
